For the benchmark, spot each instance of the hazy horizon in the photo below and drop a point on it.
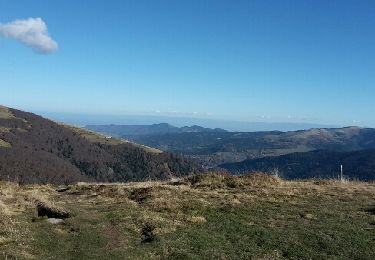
(229, 125)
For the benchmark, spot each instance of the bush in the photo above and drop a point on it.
(141, 194)
(213, 180)
(147, 233)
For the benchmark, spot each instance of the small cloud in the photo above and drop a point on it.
(32, 32)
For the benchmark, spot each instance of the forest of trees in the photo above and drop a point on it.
(359, 165)
(43, 151)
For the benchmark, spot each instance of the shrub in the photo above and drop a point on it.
(259, 179)
(147, 233)
(141, 194)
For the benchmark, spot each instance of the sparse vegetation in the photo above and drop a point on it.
(140, 194)
(224, 180)
(4, 144)
(109, 140)
(4, 129)
(200, 217)
(5, 113)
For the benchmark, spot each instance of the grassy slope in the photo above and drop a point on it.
(99, 138)
(5, 113)
(207, 217)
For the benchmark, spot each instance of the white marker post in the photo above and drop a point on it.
(341, 176)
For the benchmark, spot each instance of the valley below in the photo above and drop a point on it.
(303, 154)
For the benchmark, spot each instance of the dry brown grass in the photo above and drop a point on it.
(119, 211)
(92, 136)
(4, 129)
(103, 139)
(13, 233)
(15, 203)
(224, 180)
(5, 113)
(5, 144)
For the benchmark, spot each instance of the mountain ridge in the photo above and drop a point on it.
(153, 129)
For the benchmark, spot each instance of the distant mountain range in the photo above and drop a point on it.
(36, 150)
(131, 131)
(179, 121)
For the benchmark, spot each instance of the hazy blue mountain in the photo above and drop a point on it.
(178, 121)
(129, 131)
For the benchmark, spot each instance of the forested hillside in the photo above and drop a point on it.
(357, 165)
(37, 150)
(214, 148)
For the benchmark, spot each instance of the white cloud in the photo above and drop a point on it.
(32, 32)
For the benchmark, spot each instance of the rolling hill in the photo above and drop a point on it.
(36, 150)
(359, 165)
(211, 148)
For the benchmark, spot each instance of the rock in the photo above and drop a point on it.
(62, 189)
(42, 209)
(307, 216)
(55, 220)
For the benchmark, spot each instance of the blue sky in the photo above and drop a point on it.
(273, 61)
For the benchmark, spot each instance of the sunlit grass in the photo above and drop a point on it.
(202, 217)
(5, 113)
